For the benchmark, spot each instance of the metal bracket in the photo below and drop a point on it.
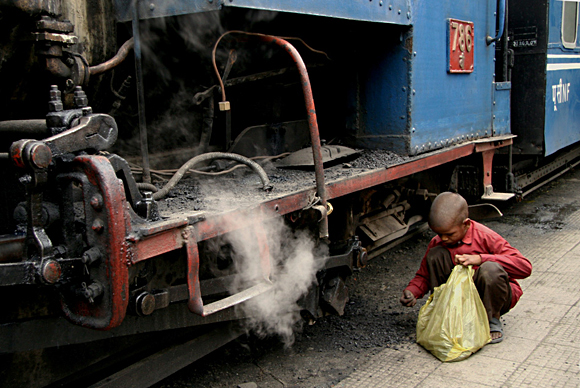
(488, 193)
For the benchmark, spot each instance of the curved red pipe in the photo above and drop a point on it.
(113, 62)
(312, 124)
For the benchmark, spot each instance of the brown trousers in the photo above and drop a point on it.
(491, 280)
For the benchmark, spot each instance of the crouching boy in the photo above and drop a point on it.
(461, 241)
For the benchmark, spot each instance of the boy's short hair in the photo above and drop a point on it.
(448, 209)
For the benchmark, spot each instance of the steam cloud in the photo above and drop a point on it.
(294, 259)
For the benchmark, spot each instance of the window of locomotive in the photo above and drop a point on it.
(569, 23)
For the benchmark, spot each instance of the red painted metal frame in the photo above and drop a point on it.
(176, 235)
(111, 310)
(146, 247)
(195, 303)
(373, 178)
(487, 152)
(487, 166)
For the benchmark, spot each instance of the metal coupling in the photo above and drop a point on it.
(92, 291)
(362, 258)
(30, 153)
(323, 210)
(91, 255)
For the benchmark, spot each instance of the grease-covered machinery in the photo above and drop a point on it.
(124, 210)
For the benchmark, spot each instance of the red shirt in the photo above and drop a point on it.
(479, 240)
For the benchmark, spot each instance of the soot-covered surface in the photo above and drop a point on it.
(243, 188)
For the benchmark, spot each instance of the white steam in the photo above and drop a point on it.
(294, 261)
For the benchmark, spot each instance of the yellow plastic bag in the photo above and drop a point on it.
(453, 323)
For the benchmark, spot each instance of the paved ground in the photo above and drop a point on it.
(542, 333)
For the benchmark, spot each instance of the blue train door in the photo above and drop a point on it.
(562, 104)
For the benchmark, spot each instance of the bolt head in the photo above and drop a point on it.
(98, 225)
(51, 271)
(97, 202)
(80, 99)
(40, 155)
(363, 258)
(145, 304)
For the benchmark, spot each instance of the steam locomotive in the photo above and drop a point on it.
(207, 162)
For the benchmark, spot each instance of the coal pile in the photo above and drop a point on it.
(370, 159)
(242, 188)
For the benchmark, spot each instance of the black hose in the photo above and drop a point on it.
(207, 157)
(147, 187)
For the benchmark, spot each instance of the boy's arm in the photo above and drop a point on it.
(419, 285)
(500, 251)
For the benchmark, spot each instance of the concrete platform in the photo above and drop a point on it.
(541, 346)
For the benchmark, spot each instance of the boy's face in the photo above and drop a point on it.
(451, 235)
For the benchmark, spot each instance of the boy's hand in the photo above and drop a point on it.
(408, 299)
(466, 260)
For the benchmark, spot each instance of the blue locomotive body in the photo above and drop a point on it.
(452, 107)
(403, 96)
(411, 102)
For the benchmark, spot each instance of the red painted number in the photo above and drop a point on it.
(462, 35)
